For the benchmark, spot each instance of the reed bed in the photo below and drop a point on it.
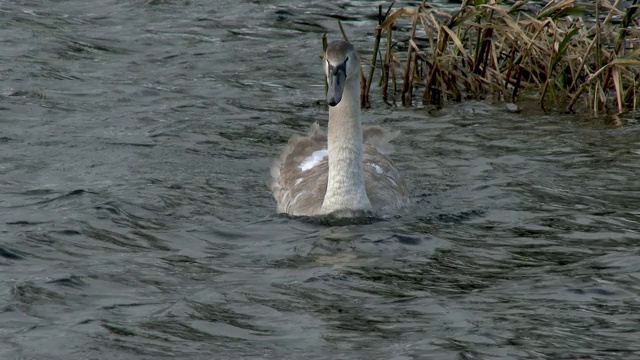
(486, 49)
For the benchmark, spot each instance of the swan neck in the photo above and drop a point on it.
(346, 183)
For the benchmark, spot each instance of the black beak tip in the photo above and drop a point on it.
(332, 102)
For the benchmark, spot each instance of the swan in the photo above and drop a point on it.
(345, 172)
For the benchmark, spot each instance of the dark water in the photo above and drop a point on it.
(135, 142)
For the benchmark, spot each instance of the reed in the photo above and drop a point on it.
(488, 50)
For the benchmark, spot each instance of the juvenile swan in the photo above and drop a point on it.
(345, 171)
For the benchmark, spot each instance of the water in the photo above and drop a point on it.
(135, 142)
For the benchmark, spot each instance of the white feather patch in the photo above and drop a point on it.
(377, 167)
(313, 160)
(298, 181)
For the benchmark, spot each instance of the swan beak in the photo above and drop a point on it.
(336, 81)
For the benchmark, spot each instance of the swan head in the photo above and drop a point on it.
(341, 64)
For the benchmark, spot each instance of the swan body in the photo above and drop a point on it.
(345, 171)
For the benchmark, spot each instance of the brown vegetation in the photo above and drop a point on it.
(485, 49)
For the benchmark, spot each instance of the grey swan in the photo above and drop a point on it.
(345, 171)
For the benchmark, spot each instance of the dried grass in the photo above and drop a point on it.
(489, 50)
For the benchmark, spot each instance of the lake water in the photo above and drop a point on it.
(135, 143)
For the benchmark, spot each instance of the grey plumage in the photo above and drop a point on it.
(301, 193)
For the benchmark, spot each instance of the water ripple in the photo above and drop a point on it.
(136, 223)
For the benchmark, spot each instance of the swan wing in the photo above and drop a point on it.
(385, 188)
(299, 176)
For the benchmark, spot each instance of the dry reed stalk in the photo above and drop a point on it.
(485, 49)
(408, 76)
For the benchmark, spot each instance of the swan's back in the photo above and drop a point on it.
(299, 176)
